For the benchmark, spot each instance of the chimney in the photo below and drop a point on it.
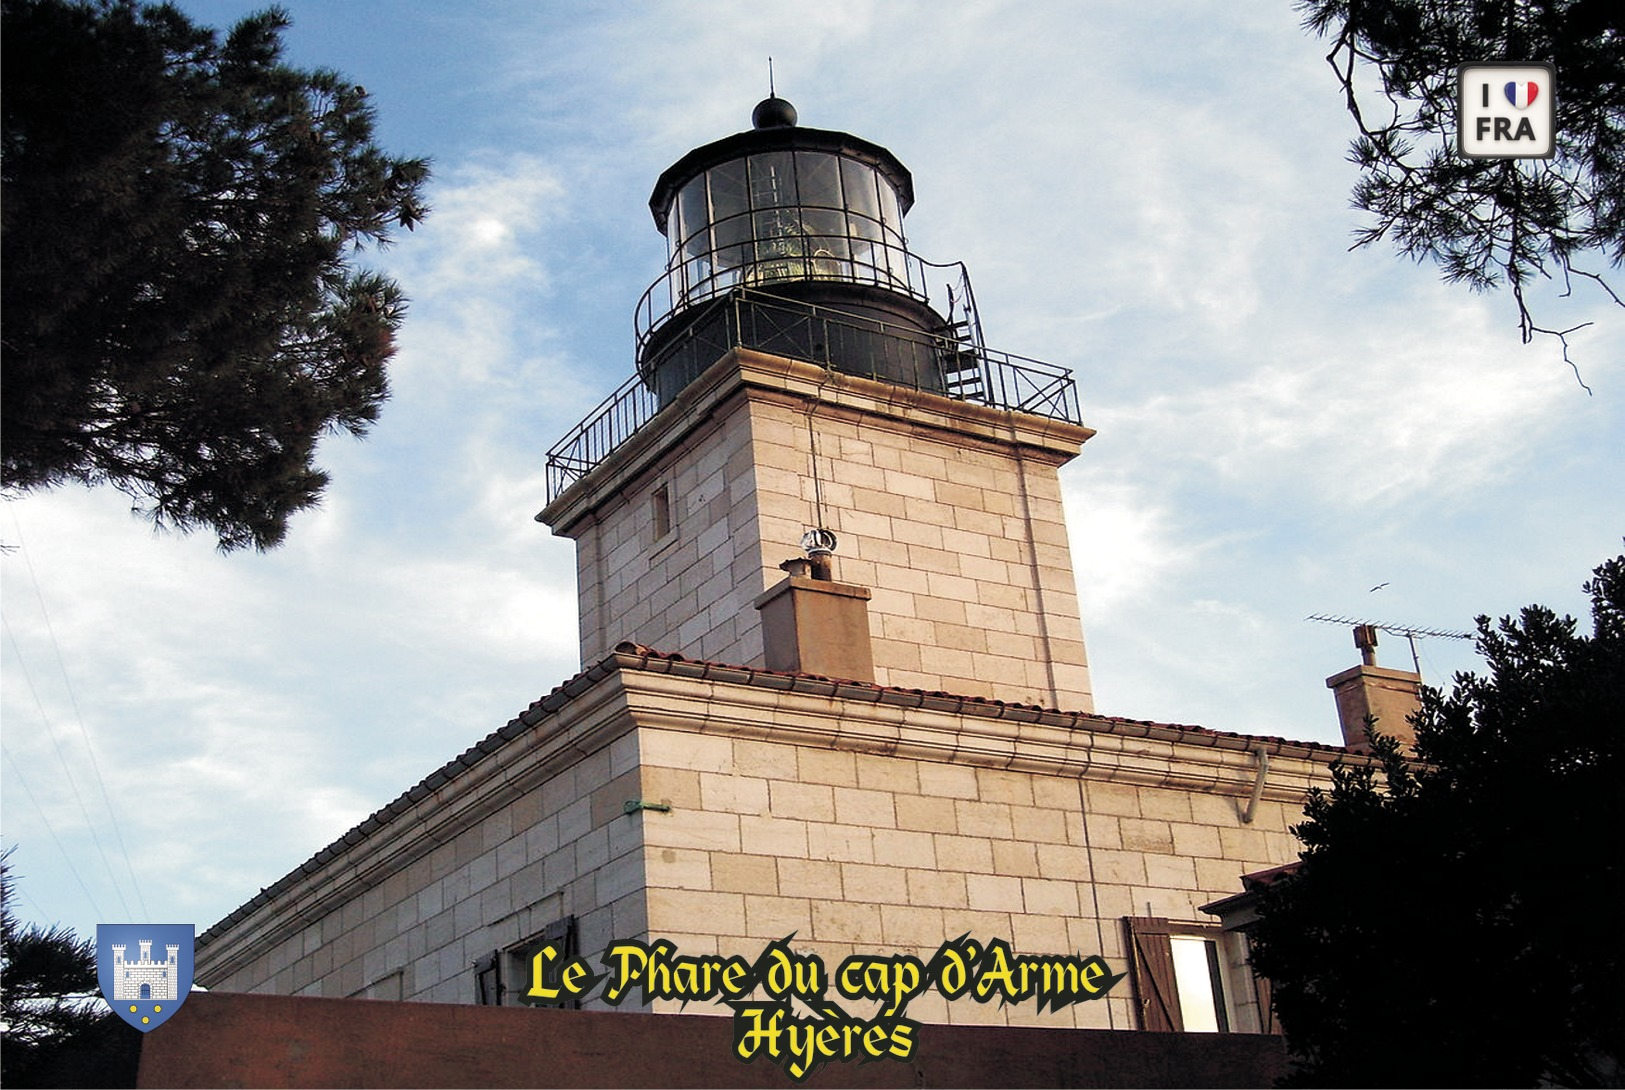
(814, 625)
(1388, 696)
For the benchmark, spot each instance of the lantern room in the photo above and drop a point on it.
(775, 228)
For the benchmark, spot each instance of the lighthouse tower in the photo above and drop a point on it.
(824, 579)
(813, 398)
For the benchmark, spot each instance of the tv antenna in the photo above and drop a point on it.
(1410, 632)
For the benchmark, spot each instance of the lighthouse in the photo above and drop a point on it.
(809, 389)
(833, 679)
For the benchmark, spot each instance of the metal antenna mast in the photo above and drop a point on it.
(1410, 632)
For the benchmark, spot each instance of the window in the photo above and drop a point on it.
(1199, 984)
(488, 989)
(1251, 1006)
(660, 511)
(1179, 973)
(501, 977)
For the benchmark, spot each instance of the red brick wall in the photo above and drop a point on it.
(221, 1039)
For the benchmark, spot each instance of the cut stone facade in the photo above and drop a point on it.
(940, 773)
(861, 818)
(1387, 698)
(949, 512)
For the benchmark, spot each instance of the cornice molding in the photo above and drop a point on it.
(635, 689)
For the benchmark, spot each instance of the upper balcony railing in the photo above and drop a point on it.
(754, 319)
(852, 259)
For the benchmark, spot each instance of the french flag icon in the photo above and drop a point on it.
(1522, 95)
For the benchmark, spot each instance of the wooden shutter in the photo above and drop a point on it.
(1151, 959)
(565, 937)
(488, 980)
(1266, 1008)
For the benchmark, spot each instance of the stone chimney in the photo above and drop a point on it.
(1388, 696)
(814, 625)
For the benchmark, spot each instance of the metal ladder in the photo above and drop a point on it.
(959, 345)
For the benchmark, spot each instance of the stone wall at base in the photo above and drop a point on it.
(856, 850)
(222, 1039)
(724, 808)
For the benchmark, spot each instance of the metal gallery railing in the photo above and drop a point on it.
(698, 278)
(955, 368)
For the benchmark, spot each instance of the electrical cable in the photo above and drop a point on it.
(56, 744)
(84, 731)
(49, 828)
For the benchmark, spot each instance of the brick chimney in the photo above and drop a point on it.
(1389, 696)
(814, 625)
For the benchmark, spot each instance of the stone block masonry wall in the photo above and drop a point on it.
(861, 819)
(949, 512)
(691, 587)
(961, 539)
(859, 852)
(562, 848)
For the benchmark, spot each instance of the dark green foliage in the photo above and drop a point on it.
(1457, 921)
(55, 1035)
(182, 318)
(1485, 222)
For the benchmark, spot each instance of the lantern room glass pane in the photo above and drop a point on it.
(859, 184)
(865, 267)
(868, 259)
(864, 227)
(778, 233)
(692, 211)
(827, 227)
(696, 271)
(730, 224)
(781, 246)
(727, 190)
(733, 247)
(895, 257)
(772, 180)
(827, 247)
(889, 212)
(818, 178)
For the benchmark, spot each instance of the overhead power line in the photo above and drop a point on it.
(84, 733)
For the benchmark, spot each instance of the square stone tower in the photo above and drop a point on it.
(793, 377)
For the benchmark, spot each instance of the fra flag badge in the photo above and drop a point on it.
(1506, 111)
(145, 969)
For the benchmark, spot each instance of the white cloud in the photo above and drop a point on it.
(1154, 196)
(1124, 543)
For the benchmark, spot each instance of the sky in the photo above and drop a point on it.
(1154, 195)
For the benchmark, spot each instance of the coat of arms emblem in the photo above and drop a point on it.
(145, 970)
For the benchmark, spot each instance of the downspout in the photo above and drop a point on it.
(1260, 771)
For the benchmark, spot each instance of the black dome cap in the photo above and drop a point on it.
(773, 112)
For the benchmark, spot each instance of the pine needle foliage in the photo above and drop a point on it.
(182, 213)
(1455, 919)
(1486, 223)
(57, 1030)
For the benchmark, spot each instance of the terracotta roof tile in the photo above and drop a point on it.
(637, 656)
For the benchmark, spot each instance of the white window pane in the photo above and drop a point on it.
(1193, 976)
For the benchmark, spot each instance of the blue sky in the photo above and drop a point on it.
(1154, 195)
